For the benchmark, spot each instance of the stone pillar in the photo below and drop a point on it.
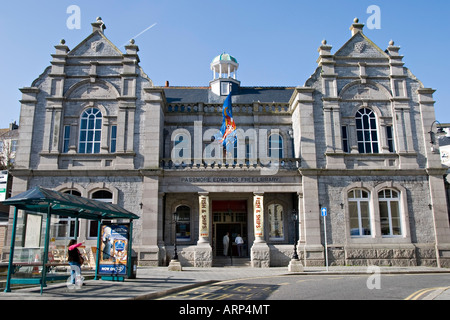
(440, 217)
(260, 252)
(312, 245)
(203, 227)
(27, 114)
(150, 222)
(203, 250)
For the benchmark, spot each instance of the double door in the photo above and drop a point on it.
(235, 223)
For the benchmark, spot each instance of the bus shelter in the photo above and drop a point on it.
(49, 202)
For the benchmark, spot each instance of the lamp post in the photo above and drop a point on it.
(439, 132)
(174, 264)
(294, 217)
(295, 265)
(175, 219)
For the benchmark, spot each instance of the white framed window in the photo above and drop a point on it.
(90, 131)
(276, 145)
(225, 88)
(366, 131)
(359, 213)
(345, 140)
(66, 139)
(390, 220)
(113, 145)
(65, 226)
(103, 196)
(390, 139)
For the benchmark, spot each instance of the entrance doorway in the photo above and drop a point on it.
(229, 216)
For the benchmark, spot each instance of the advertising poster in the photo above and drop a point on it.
(114, 249)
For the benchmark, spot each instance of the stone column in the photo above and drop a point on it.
(260, 252)
(203, 250)
(203, 200)
(258, 217)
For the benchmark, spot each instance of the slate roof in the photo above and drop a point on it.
(245, 95)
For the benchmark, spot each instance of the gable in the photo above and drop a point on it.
(95, 45)
(359, 46)
(357, 91)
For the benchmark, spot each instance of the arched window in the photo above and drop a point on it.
(276, 224)
(183, 223)
(276, 146)
(359, 212)
(388, 200)
(103, 196)
(90, 131)
(66, 225)
(366, 131)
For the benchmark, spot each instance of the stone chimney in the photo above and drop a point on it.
(356, 27)
(99, 25)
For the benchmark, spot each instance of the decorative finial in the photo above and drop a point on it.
(324, 42)
(132, 41)
(62, 41)
(356, 20)
(391, 43)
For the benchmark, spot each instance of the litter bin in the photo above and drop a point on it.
(132, 273)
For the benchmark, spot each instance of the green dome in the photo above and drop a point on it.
(224, 57)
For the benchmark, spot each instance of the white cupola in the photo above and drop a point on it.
(224, 69)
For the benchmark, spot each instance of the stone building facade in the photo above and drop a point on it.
(354, 139)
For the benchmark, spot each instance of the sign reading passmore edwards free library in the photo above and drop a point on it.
(261, 179)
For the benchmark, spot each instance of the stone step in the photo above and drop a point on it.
(231, 262)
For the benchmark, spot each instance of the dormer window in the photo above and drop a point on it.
(225, 88)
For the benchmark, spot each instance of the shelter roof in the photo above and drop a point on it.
(39, 199)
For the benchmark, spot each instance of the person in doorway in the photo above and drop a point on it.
(226, 243)
(75, 259)
(239, 242)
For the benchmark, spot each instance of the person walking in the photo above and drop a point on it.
(75, 260)
(239, 242)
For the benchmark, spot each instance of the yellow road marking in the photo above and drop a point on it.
(416, 295)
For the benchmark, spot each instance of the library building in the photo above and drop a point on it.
(234, 172)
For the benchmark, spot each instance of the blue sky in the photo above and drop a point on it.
(275, 42)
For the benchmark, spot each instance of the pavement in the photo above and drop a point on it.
(154, 282)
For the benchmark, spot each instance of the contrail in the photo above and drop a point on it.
(141, 33)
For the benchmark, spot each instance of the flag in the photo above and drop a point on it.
(227, 135)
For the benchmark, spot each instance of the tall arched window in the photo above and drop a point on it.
(388, 200)
(90, 131)
(366, 131)
(359, 212)
(276, 146)
(103, 196)
(66, 225)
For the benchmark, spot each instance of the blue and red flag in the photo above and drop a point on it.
(227, 134)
